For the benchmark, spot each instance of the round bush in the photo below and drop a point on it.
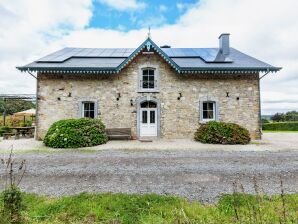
(75, 133)
(222, 133)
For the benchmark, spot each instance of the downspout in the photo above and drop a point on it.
(31, 74)
(36, 104)
(260, 118)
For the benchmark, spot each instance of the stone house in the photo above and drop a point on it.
(158, 92)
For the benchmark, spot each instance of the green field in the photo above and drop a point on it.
(124, 208)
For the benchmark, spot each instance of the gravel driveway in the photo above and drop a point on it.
(193, 174)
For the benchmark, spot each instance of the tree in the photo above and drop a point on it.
(278, 117)
(291, 116)
(13, 106)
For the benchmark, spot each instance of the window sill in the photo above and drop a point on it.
(148, 91)
(206, 121)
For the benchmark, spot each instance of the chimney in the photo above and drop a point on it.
(224, 43)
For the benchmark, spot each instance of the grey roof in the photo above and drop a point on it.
(81, 62)
(66, 53)
(115, 59)
(237, 60)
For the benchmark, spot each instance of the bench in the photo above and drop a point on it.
(119, 133)
(8, 135)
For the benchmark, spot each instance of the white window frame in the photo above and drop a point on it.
(213, 111)
(156, 79)
(81, 107)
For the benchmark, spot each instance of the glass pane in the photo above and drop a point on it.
(152, 104)
(144, 105)
(205, 115)
(152, 117)
(210, 106)
(145, 84)
(151, 78)
(91, 114)
(145, 72)
(151, 84)
(91, 106)
(151, 72)
(86, 106)
(210, 114)
(145, 78)
(204, 106)
(144, 117)
(148, 104)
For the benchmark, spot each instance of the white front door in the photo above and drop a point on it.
(148, 122)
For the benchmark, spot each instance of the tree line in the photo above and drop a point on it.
(14, 106)
(288, 116)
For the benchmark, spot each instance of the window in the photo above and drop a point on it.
(208, 111)
(148, 104)
(148, 80)
(88, 109)
(144, 117)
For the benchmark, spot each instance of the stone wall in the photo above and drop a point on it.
(59, 97)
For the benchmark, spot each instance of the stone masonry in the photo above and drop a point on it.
(59, 96)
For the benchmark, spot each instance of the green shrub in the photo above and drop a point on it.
(75, 133)
(26, 123)
(12, 201)
(265, 121)
(4, 129)
(281, 126)
(222, 133)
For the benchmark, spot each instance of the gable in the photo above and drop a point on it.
(147, 47)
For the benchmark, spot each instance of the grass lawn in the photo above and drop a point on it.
(124, 208)
(273, 131)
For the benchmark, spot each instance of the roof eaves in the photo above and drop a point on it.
(67, 70)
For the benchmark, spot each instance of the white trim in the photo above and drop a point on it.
(156, 78)
(216, 116)
(88, 100)
(139, 101)
(148, 129)
(213, 111)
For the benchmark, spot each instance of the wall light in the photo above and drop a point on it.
(119, 95)
(179, 97)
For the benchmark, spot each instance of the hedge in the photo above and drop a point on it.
(4, 129)
(222, 133)
(75, 133)
(281, 126)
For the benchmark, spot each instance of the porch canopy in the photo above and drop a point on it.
(30, 112)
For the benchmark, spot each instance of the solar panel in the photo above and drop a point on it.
(207, 54)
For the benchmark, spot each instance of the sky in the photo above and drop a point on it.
(265, 29)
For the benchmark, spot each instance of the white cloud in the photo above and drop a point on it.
(264, 29)
(28, 29)
(124, 4)
(163, 8)
(184, 6)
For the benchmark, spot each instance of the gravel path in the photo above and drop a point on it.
(192, 174)
(269, 142)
